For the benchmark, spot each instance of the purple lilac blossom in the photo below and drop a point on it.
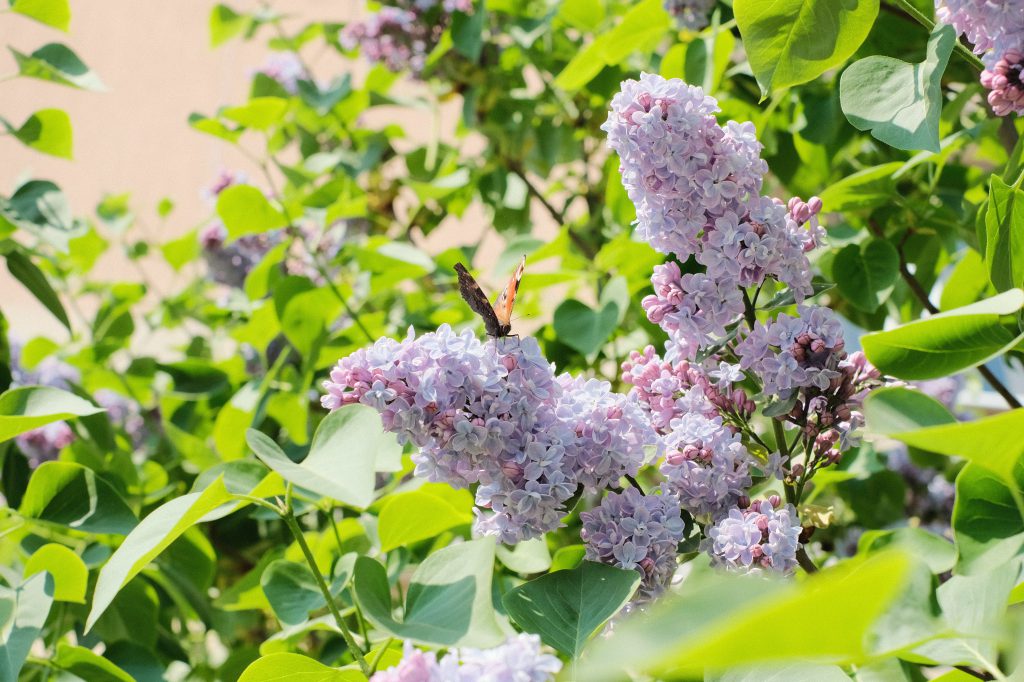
(519, 659)
(765, 535)
(996, 29)
(494, 414)
(124, 413)
(230, 262)
(691, 14)
(402, 33)
(634, 531)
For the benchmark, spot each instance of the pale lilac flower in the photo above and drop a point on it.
(519, 659)
(634, 531)
(44, 444)
(765, 535)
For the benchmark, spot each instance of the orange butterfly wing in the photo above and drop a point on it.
(507, 299)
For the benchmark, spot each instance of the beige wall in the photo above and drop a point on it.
(155, 59)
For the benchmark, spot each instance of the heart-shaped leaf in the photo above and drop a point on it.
(59, 64)
(581, 327)
(566, 607)
(866, 273)
(899, 102)
(47, 130)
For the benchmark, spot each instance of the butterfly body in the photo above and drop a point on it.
(498, 317)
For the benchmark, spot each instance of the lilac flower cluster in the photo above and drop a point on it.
(494, 414)
(43, 444)
(402, 33)
(635, 531)
(763, 535)
(286, 69)
(996, 29)
(691, 14)
(125, 414)
(519, 659)
(230, 262)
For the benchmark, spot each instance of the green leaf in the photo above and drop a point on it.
(55, 13)
(244, 210)
(790, 42)
(984, 442)
(39, 207)
(698, 628)
(85, 664)
(47, 130)
(259, 113)
(1004, 235)
(866, 273)
(234, 418)
(566, 607)
(968, 283)
(899, 103)
(23, 612)
(529, 556)
(794, 672)
(865, 189)
(585, 15)
(286, 667)
(58, 64)
(69, 494)
(195, 378)
(26, 272)
(29, 407)
(468, 32)
(292, 591)
(225, 24)
(938, 553)
(448, 601)
(181, 251)
(341, 460)
(581, 327)
(70, 575)
(410, 517)
(948, 342)
(153, 534)
(894, 409)
(988, 524)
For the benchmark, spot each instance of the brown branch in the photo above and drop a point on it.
(559, 216)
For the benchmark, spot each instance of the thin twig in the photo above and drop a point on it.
(632, 482)
(559, 216)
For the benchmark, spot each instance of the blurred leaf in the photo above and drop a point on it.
(866, 273)
(948, 342)
(968, 283)
(181, 251)
(259, 113)
(865, 189)
(195, 378)
(899, 103)
(1004, 230)
(790, 42)
(29, 407)
(988, 524)
(244, 210)
(71, 495)
(55, 13)
(225, 23)
(58, 64)
(23, 612)
(891, 410)
(287, 667)
(529, 556)
(410, 517)
(26, 272)
(467, 32)
(85, 664)
(70, 575)
(566, 607)
(47, 130)
(698, 628)
(448, 601)
(934, 550)
(581, 327)
(40, 207)
(586, 15)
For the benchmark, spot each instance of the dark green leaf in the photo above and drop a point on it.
(1004, 232)
(866, 273)
(69, 494)
(59, 64)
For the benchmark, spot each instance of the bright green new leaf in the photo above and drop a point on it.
(585, 15)
(87, 665)
(259, 113)
(70, 575)
(948, 342)
(790, 42)
(29, 407)
(225, 24)
(152, 536)
(55, 13)
(23, 612)
(991, 442)
(899, 103)
(527, 557)
(25, 271)
(234, 418)
(988, 522)
(59, 64)
(1004, 234)
(181, 251)
(417, 515)
(341, 461)
(866, 273)
(698, 628)
(244, 210)
(47, 130)
(968, 283)
(566, 607)
(287, 667)
(448, 602)
(865, 189)
(581, 327)
(793, 672)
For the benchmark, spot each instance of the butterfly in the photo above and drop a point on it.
(497, 318)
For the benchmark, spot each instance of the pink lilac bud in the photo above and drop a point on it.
(764, 536)
(1003, 79)
(519, 659)
(633, 531)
